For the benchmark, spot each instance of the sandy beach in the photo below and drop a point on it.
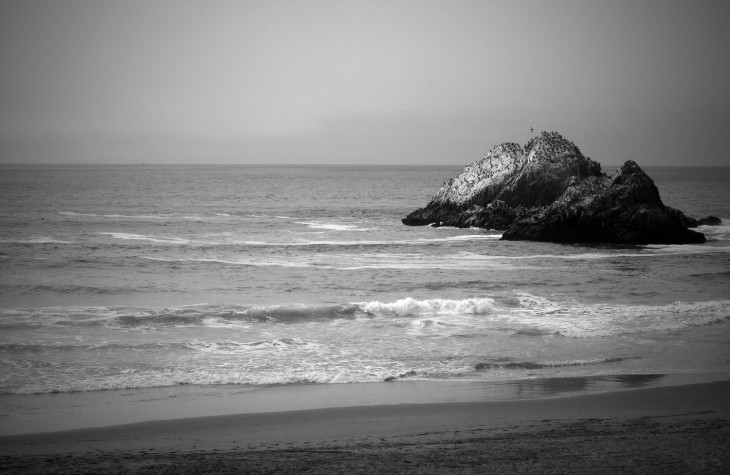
(671, 429)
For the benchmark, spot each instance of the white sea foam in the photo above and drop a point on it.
(395, 242)
(411, 306)
(333, 226)
(719, 233)
(573, 319)
(246, 262)
(315, 344)
(548, 316)
(258, 372)
(568, 318)
(142, 237)
(314, 243)
(231, 347)
(464, 237)
(343, 243)
(202, 377)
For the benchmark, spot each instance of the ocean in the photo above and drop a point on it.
(133, 277)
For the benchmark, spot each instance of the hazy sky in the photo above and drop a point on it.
(400, 82)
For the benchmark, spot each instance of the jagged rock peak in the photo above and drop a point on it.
(551, 147)
(624, 209)
(511, 148)
(632, 185)
(549, 191)
(508, 172)
(533, 176)
(503, 160)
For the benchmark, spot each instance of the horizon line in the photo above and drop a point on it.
(281, 165)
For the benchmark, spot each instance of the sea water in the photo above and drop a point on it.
(119, 277)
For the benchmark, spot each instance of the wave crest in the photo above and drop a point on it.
(411, 306)
(524, 315)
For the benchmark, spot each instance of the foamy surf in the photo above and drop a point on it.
(310, 372)
(333, 226)
(411, 306)
(142, 237)
(718, 233)
(522, 314)
(378, 300)
(458, 339)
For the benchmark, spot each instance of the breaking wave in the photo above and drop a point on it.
(411, 306)
(523, 315)
(333, 226)
(104, 348)
(717, 233)
(331, 373)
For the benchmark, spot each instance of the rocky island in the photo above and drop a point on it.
(549, 191)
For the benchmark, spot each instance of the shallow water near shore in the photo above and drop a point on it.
(135, 278)
(69, 411)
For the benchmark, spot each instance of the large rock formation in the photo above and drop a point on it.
(549, 191)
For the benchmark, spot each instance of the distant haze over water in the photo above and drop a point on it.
(351, 82)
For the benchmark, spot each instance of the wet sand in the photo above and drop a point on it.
(672, 429)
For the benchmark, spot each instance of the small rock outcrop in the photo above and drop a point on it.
(549, 191)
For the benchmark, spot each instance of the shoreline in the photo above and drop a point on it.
(675, 428)
(57, 412)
